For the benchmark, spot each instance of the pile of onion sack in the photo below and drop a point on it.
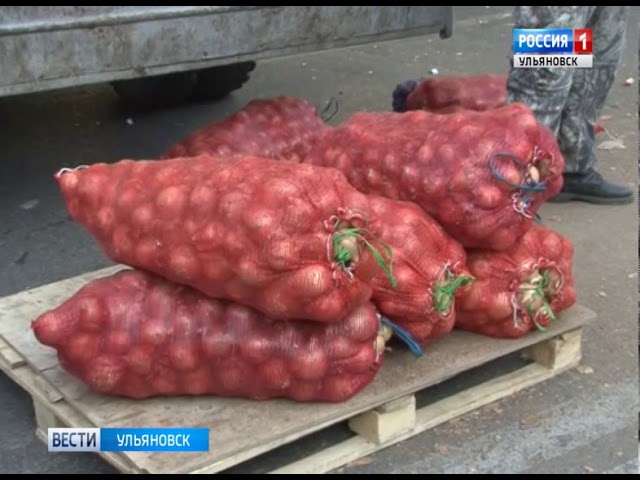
(250, 277)
(272, 255)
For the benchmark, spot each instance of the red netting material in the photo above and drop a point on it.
(282, 128)
(470, 170)
(503, 300)
(455, 93)
(425, 263)
(136, 335)
(255, 231)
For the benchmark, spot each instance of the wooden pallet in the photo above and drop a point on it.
(383, 414)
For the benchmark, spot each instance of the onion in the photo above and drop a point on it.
(379, 344)
(233, 377)
(147, 252)
(133, 386)
(480, 267)
(500, 306)
(471, 298)
(386, 332)
(425, 154)
(143, 217)
(82, 347)
(340, 347)
(203, 199)
(104, 373)
(118, 342)
(503, 238)
(282, 254)
(362, 361)
(165, 381)
(128, 199)
(309, 364)
(274, 374)
(489, 197)
(552, 245)
(361, 325)
(140, 359)
(105, 219)
(186, 324)
(171, 201)
(184, 356)
(303, 391)
(340, 387)
(256, 348)
(218, 344)
(53, 328)
(132, 280)
(251, 273)
(198, 382)
(155, 331)
(68, 181)
(122, 245)
(329, 308)
(184, 264)
(259, 219)
(240, 320)
(91, 314)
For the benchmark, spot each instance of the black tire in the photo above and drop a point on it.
(216, 83)
(156, 92)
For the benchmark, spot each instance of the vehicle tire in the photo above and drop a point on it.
(158, 91)
(216, 83)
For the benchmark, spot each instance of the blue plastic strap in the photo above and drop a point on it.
(527, 186)
(403, 335)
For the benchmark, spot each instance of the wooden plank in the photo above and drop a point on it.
(273, 423)
(431, 416)
(60, 412)
(8, 354)
(387, 421)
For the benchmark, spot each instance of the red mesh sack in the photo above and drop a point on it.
(455, 93)
(481, 175)
(135, 335)
(452, 93)
(289, 240)
(429, 267)
(282, 128)
(518, 290)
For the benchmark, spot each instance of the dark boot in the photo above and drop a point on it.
(591, 187)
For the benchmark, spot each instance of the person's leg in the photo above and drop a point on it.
(545, 90)
(587, 96)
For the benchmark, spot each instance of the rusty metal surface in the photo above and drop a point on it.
(44, 48)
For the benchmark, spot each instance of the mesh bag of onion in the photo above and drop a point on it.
(455, 93)
(451, 93)
(481, 175)
(289, 240)
(518, 290)
(136, 335)
(429, 267)
(282, 128)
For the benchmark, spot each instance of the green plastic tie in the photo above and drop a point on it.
(539, 292)
(343, 256)
(443, 293)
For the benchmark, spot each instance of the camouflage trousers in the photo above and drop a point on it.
(567, 100)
